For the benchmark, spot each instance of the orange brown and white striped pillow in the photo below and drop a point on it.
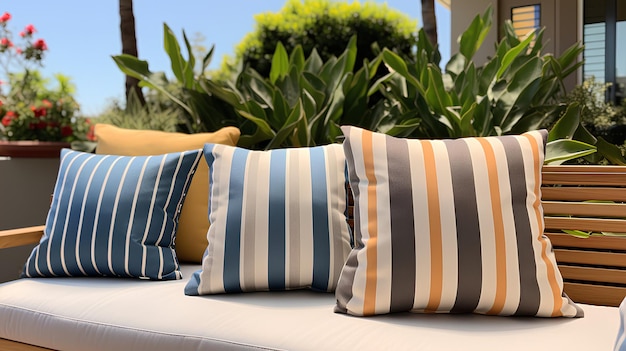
(449, 226)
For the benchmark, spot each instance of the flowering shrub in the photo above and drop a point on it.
(29, 109)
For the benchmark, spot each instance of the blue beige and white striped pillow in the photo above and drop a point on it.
(449, 226)
(278, 220)
(114, 216)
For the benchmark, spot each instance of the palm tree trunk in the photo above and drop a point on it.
(429, 20)
(129, 46)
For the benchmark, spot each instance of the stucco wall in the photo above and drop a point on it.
(25, 188)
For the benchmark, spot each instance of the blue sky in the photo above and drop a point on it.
(83, 35)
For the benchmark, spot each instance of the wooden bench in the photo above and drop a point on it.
(594, 269)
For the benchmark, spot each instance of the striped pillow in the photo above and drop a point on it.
(114, 216)
(449, 226)
(278, 220)
(620, 342)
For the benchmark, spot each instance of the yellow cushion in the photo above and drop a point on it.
(191, 238)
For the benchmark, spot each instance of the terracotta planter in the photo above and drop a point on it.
(32, 149)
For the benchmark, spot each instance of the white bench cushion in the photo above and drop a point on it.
(126, 314)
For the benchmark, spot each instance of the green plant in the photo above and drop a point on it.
(589, 123)
(514, 91)
(152, 116)
(34, 111)
(200, 112)
(304, 100)
(29, 108)
(325, 26)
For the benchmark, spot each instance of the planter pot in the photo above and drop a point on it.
(32, 149)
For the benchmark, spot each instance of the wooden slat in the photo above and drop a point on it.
(584, 178)
(591, 257)
(595, 242)
(19, 237)
(593, 274)
(583, 169)
(9, 345)
(585, 209)
(584, 175)
(583, 194)
(589, 224)
(595, 294)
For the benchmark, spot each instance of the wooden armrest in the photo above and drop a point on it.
(21, 236)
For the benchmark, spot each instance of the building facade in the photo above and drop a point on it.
(599, 24)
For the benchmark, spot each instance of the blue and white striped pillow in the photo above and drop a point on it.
(278, 220)
(114, 216)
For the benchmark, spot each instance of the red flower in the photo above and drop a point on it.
(40, 112)
(12, 114)
(41, 124)
(18, 51)
(6, 120)
(91, 135)
(6, 42)
(67, 131)
(28, 30)
(46, 103)
(5, 17)
(40, 44)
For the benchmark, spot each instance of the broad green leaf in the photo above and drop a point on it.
(613, 234)
(397, 64)
(378, 84)
(508, 58)
(280, 108)
(559, 151)
(314, 62)
(206, 61)
(405, 128)
(260, 88)
(465, 122)
(510, 36)
(482, 117)
(290, 86)
(475, 34)
(437, 97)
(263, 131)
(517, 92)
(456, 64)
(350, 55)
(372, 67)
(189, 66)
(486, 75)
(582, 134)
(134, 67)
(566, 126)
(577, 233)
(228, 95)
(315, 87)
(280, 63)
(610, 152)
(538, 44)
(570, 55)
(286, 130)
(296, 59)
(173, 51)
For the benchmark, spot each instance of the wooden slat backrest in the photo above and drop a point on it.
(589, 199)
